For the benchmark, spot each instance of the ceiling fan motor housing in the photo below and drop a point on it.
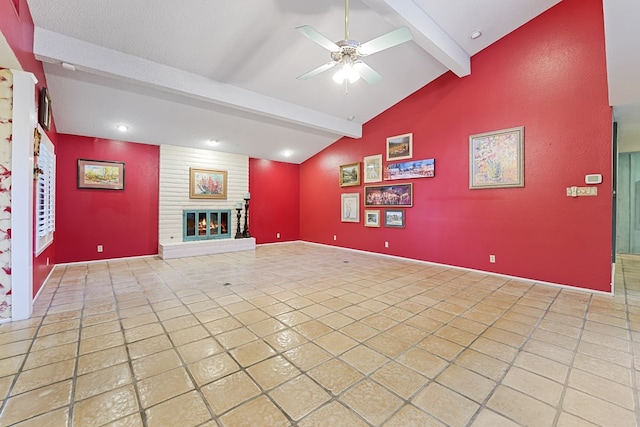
(347, 48)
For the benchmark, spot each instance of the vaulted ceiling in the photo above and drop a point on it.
(184, 73)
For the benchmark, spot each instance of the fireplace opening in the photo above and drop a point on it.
(206, 224)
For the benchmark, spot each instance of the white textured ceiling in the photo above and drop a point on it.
(183, 72)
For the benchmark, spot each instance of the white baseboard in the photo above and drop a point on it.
(506, 276)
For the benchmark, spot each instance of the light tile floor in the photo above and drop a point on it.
(298, 334)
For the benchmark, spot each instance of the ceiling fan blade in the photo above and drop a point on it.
(370, 75)
(385, 41)
(318, 38)
(318, 70)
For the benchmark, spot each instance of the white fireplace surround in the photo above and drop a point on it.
(174, 199)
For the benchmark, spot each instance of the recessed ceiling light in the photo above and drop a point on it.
(475, 34)
(213, 141)
(287, 153)
(123, 128)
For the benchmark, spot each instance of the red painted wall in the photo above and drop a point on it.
(18, 31)
(124, 222)
(548, 76)
(275, 201)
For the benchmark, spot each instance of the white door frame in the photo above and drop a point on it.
(24, 124)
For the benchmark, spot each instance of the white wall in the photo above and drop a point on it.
(174, 186)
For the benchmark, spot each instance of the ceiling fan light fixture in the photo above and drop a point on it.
(346, 53)
(346, 72)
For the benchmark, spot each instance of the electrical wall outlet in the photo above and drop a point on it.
(100, 248)
(277, 235)
(386, 244)
(335, 237)
(492, 259)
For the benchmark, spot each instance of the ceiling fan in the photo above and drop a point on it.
(347, 53)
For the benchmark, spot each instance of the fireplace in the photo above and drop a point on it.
(206, 224)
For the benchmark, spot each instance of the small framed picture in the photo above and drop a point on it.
(400, 147)
(371, 218)
(394, 218)
(350, 207)
(373, 168)
(350, 175)
(44, 109)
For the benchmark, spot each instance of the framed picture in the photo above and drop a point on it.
(400, 147)
(413, 169)
(394, 218)
(350, 175)
(389, 195)
(496, 159)
(100, 174)
(44, 109)
(350, 207)
(207, 184)
(371, 218)
(373, 168)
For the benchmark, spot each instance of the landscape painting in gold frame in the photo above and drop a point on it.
(100, 174)
(350, 175)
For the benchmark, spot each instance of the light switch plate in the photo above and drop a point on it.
(581, 191)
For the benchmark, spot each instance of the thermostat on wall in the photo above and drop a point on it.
(594, 178)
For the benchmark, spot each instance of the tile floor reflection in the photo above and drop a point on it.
(299, 334)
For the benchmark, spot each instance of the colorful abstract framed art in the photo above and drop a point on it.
(496, 159)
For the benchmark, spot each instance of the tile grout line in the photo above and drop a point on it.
(141, 411)
(74, 381)
(634, 379)
(24, 362)
(197, 387)
(510, 365)
(565, 386)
